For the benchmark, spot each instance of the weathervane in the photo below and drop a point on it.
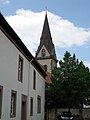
(46, 9)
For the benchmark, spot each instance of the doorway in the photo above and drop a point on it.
(24, 107)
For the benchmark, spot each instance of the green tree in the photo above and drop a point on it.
(70, 83)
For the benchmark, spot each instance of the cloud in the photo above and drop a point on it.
(28, 25)
(5, 1)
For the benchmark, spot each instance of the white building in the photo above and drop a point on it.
(22, 79)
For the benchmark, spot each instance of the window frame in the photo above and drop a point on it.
(45, 67)
(34, 79)
(1, 97)
(43, 52)
(20, 69)
(31, 106)
(38, 104)
(14, 104)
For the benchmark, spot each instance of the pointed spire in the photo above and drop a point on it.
(46, 34)
(46, 39)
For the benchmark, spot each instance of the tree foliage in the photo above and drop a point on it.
(70, 83)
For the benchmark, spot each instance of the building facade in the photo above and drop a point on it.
(22, 79)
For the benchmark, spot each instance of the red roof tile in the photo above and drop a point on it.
(48, 78)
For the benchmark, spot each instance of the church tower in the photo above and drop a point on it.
(45, 53)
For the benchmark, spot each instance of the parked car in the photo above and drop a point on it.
(65, 116)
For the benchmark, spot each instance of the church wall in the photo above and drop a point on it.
(46, 62)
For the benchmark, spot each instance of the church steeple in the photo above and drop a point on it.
(45, 54)
(46, 39)
(46, 34)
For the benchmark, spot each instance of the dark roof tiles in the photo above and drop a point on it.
(46, 39)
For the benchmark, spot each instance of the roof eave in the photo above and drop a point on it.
(13, 37)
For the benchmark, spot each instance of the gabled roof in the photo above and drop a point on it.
(46, 39)
(14, 38)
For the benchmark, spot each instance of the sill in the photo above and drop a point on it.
(12, 116)
(39, 113)
(20, 81)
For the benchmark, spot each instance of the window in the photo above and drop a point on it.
(31, 106)
(20, 69)
(43, 53)
(45, 67)
(38, 104)
(13, 104)
(1, 92)
(34, 79)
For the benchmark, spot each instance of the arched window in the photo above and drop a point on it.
(43, 53)
(45, 67)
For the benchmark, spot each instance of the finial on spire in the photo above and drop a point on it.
(46, 9)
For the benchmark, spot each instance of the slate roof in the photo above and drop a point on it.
(46, 39)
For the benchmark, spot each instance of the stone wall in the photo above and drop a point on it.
(86, 113)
